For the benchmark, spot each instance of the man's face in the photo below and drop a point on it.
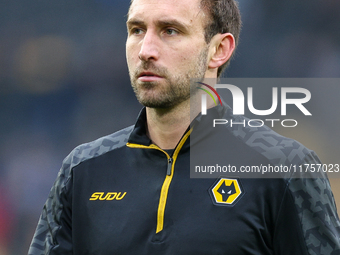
(165, 48)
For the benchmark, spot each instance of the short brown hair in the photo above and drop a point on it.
(225, 17)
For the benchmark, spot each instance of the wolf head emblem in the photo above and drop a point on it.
(226, 191)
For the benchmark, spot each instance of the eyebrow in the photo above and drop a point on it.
(173, 22)
(133, 22)
(161, 23)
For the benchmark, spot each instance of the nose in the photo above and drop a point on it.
(150, 47)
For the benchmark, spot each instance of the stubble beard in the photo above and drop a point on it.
(177, 87)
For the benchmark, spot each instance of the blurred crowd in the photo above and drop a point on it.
(64, 81)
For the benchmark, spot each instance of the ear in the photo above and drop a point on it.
(222, 47)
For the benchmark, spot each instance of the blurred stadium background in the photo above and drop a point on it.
(64, 81)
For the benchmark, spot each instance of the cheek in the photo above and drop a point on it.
(131, 50)
(189, 56)
(131, 57)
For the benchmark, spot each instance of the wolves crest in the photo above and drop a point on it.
(226, 191)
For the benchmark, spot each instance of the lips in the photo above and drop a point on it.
(148, 74)
(149, 77)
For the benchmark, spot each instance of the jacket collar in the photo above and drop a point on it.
(139, 133)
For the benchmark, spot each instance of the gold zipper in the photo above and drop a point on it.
(168, 178)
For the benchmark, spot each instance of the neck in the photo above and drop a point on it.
(167, 126)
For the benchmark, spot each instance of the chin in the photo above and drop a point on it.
(156, 104)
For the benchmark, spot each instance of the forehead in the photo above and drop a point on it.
(182, 10)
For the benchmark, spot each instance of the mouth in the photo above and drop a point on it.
(148, 74)
(149, 77)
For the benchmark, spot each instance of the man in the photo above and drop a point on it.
(131, 192)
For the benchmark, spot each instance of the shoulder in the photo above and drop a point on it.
(95, 148)
(278, 149)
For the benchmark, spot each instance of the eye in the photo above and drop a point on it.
(170, 31)
(136, 31)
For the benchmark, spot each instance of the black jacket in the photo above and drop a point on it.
(123, 195)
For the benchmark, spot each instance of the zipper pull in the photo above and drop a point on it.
(168, 171)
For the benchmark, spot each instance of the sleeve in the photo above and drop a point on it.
(308, 222)
(53, 234)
